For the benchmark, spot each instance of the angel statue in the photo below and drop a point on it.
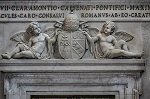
(111, 44)
(31, 43)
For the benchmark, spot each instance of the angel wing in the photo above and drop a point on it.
(123, 35)
(21, 36)
(83, 25)
(93, 31)
(50, 31)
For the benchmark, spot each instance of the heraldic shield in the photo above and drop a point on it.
(71, 44)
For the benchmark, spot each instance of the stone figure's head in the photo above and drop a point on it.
(34, 28)
(71, 22)
(109, 27)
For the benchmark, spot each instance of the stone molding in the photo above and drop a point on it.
(88, 65)
(118, 77)
(121, 85)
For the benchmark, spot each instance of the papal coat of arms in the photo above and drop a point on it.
(71, 44)
(70, 38)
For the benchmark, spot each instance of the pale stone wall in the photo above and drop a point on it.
(146, 74)
(140, 30)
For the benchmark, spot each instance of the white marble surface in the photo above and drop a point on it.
(119, 77)
(89, 65)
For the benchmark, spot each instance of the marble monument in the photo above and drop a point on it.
(74, 49)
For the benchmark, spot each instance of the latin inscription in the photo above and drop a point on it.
(94, 11)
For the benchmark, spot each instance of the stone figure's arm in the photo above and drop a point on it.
(51, 41)
(91, 39)
(29, 43)
(114, 41)
(98, 37)
(46, 37)
(48, 45)
(46, 41)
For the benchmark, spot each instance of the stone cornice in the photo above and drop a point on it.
(86, 65)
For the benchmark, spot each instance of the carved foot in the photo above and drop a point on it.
(45, 57)
(6, 55)
(139, 55)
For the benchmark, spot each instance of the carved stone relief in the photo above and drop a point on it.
(31, 43)
(91, 51)
(71, 39)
